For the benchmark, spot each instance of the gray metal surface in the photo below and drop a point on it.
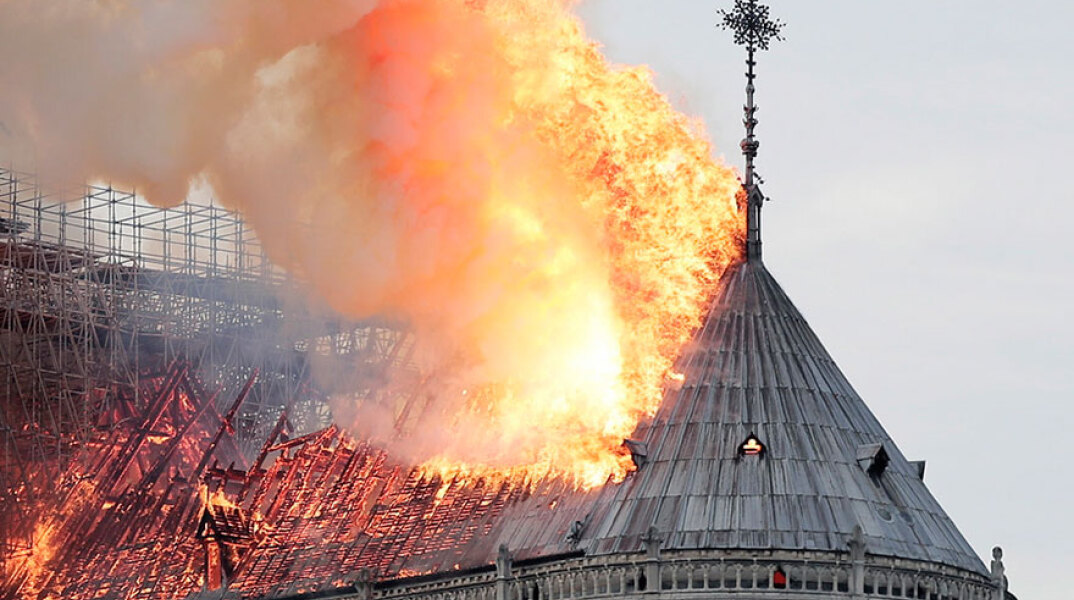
(757, 367)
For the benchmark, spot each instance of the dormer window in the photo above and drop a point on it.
(639, 452)
(751, 447)
(873, 458)
(919, 465)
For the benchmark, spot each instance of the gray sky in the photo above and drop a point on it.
(917, 156)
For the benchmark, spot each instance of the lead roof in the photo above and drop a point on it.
(756, 366)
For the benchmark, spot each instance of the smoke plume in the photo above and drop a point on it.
(545, 222)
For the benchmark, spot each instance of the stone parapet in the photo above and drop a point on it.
(699, 574)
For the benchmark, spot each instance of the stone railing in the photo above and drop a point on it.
(635, 576)
(479, 586)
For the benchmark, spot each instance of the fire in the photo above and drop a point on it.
(34, 564)
(579, 224)
(613, 220)
(546, 222)
(216, 498)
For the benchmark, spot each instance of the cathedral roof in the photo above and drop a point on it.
(818, 467)
(756, 371)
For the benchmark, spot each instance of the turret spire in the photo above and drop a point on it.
(753, 29)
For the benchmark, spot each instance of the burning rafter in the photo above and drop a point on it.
(101, 299)
(315, 511)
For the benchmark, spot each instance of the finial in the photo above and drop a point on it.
(857, 543)
(503, 561)
(652, 540)
(754, 29)
(999, 578)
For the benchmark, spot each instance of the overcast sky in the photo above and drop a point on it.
(917, 154)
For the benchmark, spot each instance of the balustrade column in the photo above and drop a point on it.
(503, 572)
(857, 559)
(652, 541)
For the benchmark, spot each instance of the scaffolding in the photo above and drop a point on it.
(101, 292)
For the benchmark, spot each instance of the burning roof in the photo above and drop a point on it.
(323, 509)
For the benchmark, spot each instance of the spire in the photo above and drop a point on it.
(755, 30)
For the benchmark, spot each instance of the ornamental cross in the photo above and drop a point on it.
(752, 26)
(755, 30)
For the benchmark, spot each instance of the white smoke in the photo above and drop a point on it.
(142, 92)
(407, 158)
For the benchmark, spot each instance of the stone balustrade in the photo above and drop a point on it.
(700, 576)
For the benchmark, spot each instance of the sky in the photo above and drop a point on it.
(915, 154)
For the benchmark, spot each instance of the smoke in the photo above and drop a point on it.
(142, 91)
(546, 223)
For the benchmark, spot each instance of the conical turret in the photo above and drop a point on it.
(766, 446)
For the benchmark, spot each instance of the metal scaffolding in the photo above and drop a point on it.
(101, 293)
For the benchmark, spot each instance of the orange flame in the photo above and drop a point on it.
(562, 226)
(546, 222)
(217, 498)
(34, 564)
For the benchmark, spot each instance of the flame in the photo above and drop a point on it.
(579, 223)
(219, 498)
(546, 222)
(35, 563)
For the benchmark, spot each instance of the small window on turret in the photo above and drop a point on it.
(873, 458)
(751, 447)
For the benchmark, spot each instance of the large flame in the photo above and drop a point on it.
(572, 219)
(546, 222)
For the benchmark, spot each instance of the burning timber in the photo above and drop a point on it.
(308, 512)
(134, 470)
(142, 348)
